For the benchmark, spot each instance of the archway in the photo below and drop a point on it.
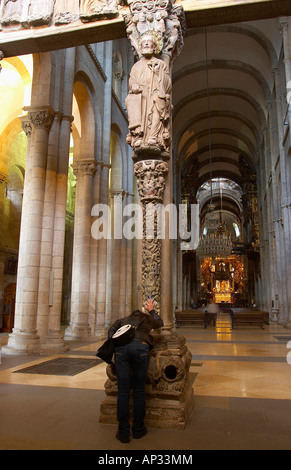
(15, 93)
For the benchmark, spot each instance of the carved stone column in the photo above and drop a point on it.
(156, 34)
(151, 179)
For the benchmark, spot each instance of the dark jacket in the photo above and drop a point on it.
(145, 323)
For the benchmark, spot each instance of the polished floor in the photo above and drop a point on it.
(242, 397)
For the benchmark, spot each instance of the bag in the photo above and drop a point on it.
(124, 335)
(106, 351)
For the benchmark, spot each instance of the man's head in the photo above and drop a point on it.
(147, 45)
(150, 43)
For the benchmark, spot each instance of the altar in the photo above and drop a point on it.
(222, 292)
(223, 280)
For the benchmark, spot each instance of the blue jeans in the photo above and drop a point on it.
(131, 364)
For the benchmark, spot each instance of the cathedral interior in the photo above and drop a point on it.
(64, 150)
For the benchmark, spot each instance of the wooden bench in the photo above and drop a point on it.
(251, 317)
(190, 317)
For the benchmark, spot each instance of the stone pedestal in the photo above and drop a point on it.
(169, 389)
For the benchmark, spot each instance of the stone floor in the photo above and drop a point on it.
(242, 396)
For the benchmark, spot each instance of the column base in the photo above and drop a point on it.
(22, 342)
(169, 389)
(274, 317)
(161, 413)
(78, 332)
(101, 333)
(54, 343)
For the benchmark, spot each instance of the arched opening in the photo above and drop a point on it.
(15, 94)
(222, 87)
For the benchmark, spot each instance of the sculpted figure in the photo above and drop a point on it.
(12, 12)
(92, 10)
(149, 99)
(161, 16)
(66, 11)
(40, 13)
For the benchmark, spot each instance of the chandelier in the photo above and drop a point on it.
(217, 243)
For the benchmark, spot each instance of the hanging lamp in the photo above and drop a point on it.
(217, 243)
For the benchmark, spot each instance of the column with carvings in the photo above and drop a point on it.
(155, 30)
(80, 328)
(25, 338)
(156, 36)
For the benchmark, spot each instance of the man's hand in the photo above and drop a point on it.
(150, 305)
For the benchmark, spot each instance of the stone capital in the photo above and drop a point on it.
(117, 194)
(41, 117)
(283, 24)
(26, 126)
(151, 179)
(84, 167)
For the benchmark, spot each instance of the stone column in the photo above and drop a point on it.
(285, 165)
(156, 35)
(102, 314)
(55, 335)
(79, 327)
(285, 218)
(25, 338)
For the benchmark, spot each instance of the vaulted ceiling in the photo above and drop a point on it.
(222, 87)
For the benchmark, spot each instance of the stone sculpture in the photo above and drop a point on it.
(149, 99)
(12, 12)
(151, 180)
(92, 10)
(41, 12)
(66, 11)
(160, 16)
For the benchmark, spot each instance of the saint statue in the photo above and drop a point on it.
(149, 100)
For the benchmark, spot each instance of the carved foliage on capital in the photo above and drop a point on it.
(151, 179)
(26, 127)
(42, 119)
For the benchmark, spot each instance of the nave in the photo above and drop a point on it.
(242, 396)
